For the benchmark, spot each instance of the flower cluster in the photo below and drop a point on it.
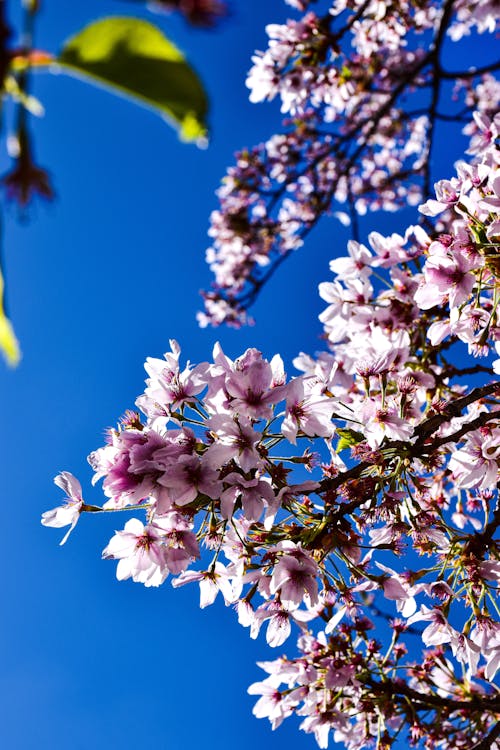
(361, 88)
(355, 503)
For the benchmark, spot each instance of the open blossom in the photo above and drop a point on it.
(477, 463)
(254, 385)
(357, 264)
(279, 626)
(279, 621)
(383, 420)
(140, 553)
(179, 540)
(466, 652)
(398, 590)
(219, 578)
(345, 304)
(254, 494)
(377, 351)
(447, 194)
(321, 725)
(168, 386)
(148, 553)
(186, 478)
(439, 631)
(486, 637)
(309, 413)
(447, 275)
(249, 387)
(294, 576)
(233, 439)
(69, 513)
(271, 704)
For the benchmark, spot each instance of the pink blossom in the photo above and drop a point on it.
(439, 631)
(466, 652)
(447, 275)
(320, 725)
(254, 385)
(187, 478)
(167, 387)
(492, 662)
(140, 552)
(69, 513)
(180, 543)
(279, 625)
(381, 421)
(486, 633)
(255, 495)
(211, 582)
(308, 413)
(271, 704)
(397, 589)
(234, 439)
(447, 193)
(357, 264)
(476, 464)
(294, 577)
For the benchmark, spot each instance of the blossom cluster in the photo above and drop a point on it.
(355, 503)
(363, 88)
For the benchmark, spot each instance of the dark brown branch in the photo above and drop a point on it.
(472, 73)
(453, 409)
(475, 703)
(436, 90)
(474, 424)
(422, 432)
(5, 34)
(454, 372)
(481, 541)
(486, 742)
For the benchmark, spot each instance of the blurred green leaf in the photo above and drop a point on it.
(348, 438)
(8, 342)
(134, 57)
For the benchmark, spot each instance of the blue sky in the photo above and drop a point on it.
(98, 281)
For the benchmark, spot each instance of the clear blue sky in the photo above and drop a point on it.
(98, 281)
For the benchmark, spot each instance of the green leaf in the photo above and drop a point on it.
(8, 342)
(348, 438)
(134, 57)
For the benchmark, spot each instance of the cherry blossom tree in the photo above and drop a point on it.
(365, 87)
(352, 508)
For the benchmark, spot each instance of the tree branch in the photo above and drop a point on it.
(477, 702)
(422, 432)
(487, 741)
(453, 409)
